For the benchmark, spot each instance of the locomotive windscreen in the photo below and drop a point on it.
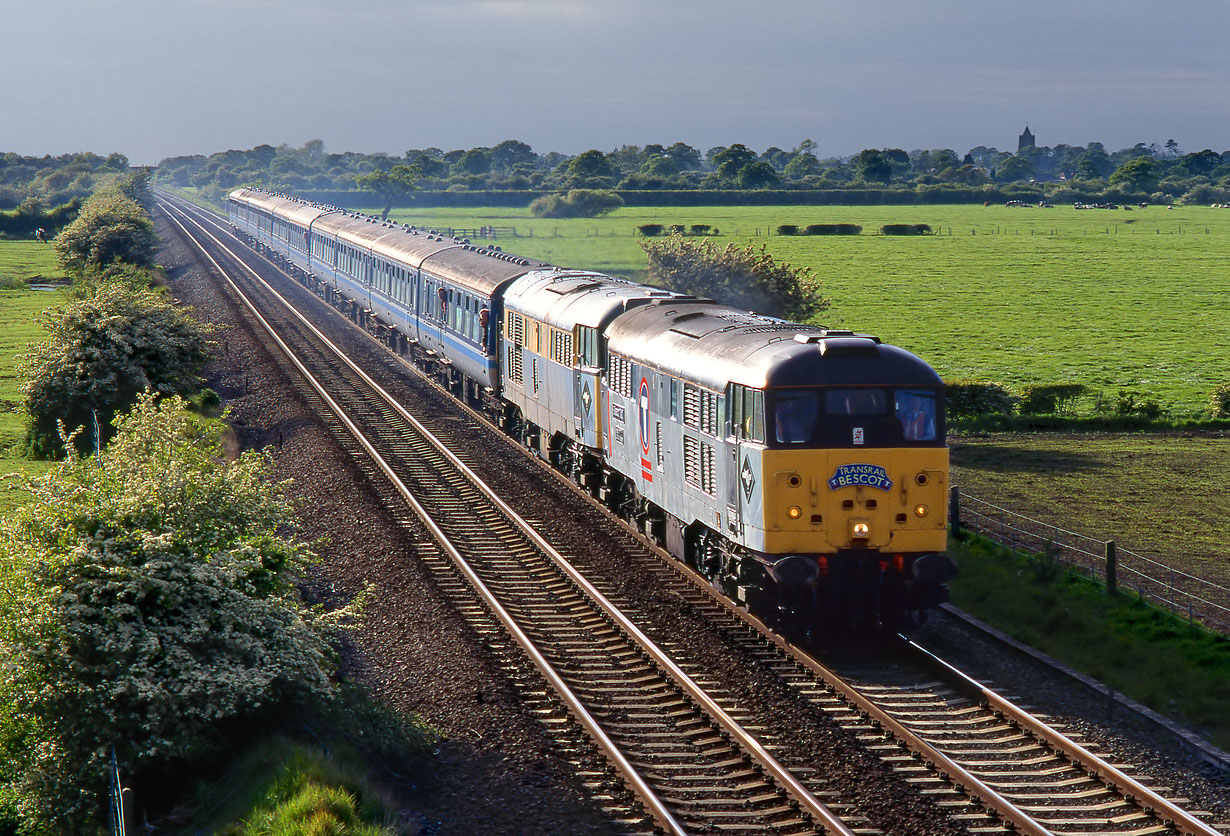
(840, 417)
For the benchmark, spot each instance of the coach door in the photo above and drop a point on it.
(587, 392)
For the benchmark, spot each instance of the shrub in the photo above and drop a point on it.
(577, 203)
(110, 227)
(148, 595)
(100, 353)
(651, 230)
(970, 398)
(676, 229)
(745, 277)
(832, 229)
(1219, 401)
(905, 229)
(701, 229)
(787, 229)
(1128, 404)
(1049, 400)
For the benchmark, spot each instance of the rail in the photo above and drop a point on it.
(1181, 593)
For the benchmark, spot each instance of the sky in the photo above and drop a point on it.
(157, 78)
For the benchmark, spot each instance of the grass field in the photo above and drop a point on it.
(1114, 299)
(24, 260)
(1160, 495)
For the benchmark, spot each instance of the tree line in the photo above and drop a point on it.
(1158, 173)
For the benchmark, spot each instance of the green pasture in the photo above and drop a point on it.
(23, 261)
(1114, 299)
(18, 307)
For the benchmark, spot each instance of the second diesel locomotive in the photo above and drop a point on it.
(803, 471)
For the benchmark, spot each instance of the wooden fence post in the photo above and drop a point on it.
(1112, 565)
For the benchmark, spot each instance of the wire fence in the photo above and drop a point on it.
(1181, 593)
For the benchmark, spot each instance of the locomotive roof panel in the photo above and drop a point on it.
(714, 345)
(564, 298)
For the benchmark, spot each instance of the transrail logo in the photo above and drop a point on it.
(861, 475)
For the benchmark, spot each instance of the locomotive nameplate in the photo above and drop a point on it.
(861, 475)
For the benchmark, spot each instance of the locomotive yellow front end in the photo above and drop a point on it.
(889, 500)
(850, 526)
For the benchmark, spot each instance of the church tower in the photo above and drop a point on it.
(1025, 140)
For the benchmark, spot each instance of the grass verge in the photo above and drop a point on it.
(1177, 669)
(284, 786)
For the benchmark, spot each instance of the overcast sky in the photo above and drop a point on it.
(158, 78)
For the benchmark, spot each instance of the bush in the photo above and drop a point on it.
(971, 398)
(743, 277)
(101, 352)
(832, 229)
(905, 229)
(1127, 404)
(651, 230)
(23, 221)
(148, 595)
(1219, 401)
(676, 229)
(110, 227)
(787, 229)
(701, 229)
(578, 203)
(1049, 400)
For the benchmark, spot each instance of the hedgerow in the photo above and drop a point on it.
(974, 398)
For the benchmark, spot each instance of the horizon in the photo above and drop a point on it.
(154, 80)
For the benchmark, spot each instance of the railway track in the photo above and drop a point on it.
(682, 743)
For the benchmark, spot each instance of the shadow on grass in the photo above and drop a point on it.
(1005, 458)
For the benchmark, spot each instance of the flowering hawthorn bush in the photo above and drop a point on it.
(146, 597)
(101, 351)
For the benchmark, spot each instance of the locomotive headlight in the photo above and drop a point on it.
(794, 512)
(921, 511)
(860, 530)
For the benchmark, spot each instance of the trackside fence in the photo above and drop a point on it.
(1184, 595)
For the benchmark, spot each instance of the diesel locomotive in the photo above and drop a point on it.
(803, 471)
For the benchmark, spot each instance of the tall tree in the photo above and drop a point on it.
(871, 166)
(394, 184)
(1139, 174)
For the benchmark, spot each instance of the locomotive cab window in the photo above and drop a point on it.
(795, 416)
(855, 402)
(589, 346)
(746, 413)
(916, 410)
